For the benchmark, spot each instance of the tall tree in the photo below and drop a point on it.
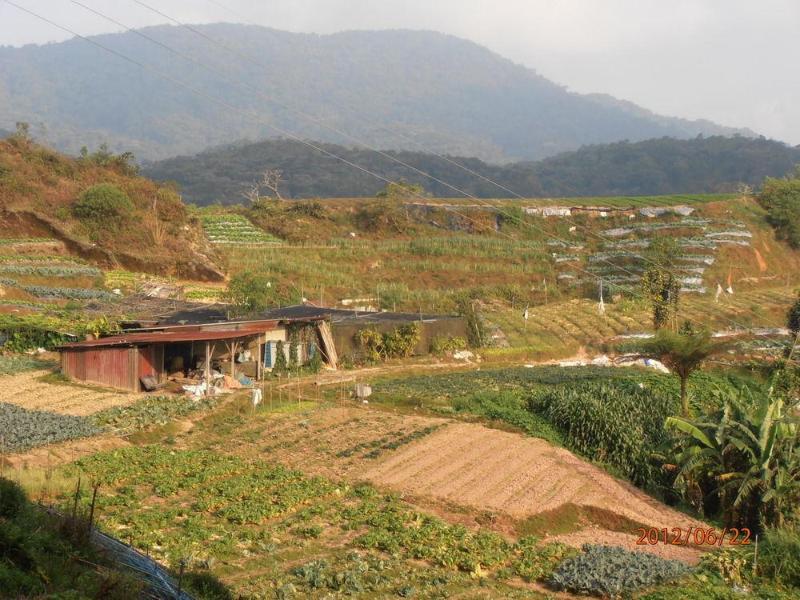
(662, 288)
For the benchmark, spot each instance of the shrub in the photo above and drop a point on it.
(398, 343)
(103, 204)
(12, 498)
(612, 571)
(22, 338)
(249, 292)
(280, 367)
(781, 198)
(313, 209)
(402, 341)
(387, 216)
(442, 345)
(509, 407)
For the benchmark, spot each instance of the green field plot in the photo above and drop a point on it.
(235, 230)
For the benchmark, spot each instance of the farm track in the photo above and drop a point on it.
(27, 391)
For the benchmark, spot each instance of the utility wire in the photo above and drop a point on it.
(287, 133)
(321, 122)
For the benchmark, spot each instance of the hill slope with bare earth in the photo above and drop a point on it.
(39, 189)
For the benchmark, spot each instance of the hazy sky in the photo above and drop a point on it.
(732, 61)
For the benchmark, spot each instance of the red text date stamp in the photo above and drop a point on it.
(693, 536)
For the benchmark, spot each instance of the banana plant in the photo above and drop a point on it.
(748, 450)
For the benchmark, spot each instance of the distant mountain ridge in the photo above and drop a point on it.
(444, 93)
(659, 166)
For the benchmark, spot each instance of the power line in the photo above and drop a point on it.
(252, 60)
(233, 108)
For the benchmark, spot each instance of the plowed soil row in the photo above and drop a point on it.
(26, 390)
(467, 465)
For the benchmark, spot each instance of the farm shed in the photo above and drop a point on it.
(122, 361)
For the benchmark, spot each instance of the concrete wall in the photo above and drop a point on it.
(344, 333)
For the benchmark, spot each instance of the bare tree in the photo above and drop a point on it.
(252, 193)
(271, 179)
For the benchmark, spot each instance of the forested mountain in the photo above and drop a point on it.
(659, 166)
(446, 93)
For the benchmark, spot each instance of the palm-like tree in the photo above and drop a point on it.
(683, 353)
(747, 448)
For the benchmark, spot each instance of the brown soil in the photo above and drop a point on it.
(470, 474)
(762, 264)
(28, 391)
(477, 466)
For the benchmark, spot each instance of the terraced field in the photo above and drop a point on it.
(577, 322)
(235, 230)
(38, 274)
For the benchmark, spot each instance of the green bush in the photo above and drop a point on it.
(12, 498)
(280, 367)
(444, 344)
(781, 198)
(103, 204)
(397, 343)
(250, 292)
(612, 571)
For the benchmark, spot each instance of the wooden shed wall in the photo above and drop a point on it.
(112, 367)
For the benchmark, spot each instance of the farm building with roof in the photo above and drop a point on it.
(195, 342)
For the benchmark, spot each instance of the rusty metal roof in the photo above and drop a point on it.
(133, 339)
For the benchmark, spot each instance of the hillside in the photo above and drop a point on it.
(651, 167)
(95, 209)
(548, 255)
(447, 93)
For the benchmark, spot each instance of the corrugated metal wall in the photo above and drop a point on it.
(113, 367)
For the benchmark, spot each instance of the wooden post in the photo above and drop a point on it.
(259, 360)
(208, 368)
(91, 510)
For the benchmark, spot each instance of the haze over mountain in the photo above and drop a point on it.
(446, 93)
(659, 166)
